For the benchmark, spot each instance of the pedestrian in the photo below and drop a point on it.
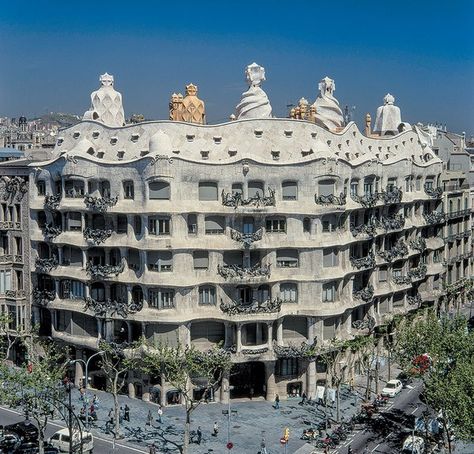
(111, 416)
(153, 449)
(149, 418)
(126, 413)
(277, 402)
(121, 415)
(252, 391)
(215, 429)
(303, 398)
(95, 401)
(263, 446)
(199, 435)
(160, 415)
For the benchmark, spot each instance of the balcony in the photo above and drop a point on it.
(418, 245)
(235, 199)
(435, 217)
(10, 225)
(100, 204)
(98, 272)
(110, 308)
(43, 297)
(368, 229)
(366, 200)
(330, 199)
(255, 307)
(50, 232)
(304, 350)
(15, 294)
(246, 238)
(457, 214)
(47, 264)
(367, 323)
(417, 273)
(391, 195)
(414, 300)
(239, 272)
(401, 280)
(51, 202)
(434, 193)
(365, 294)
(395, 222)
(13, 188)
(363, 262)
(400, 249)
(96, 236)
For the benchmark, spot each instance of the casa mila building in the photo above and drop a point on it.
(262, 234)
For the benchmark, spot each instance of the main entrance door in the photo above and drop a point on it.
(247, 379)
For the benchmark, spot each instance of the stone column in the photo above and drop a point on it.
(131, 385)
(185, 334)
(225, 392)
(239, 337)
(60, 255)
(109, 330)
(99, 328)
(145, 226)
(79, 370)
(258, 333)
(227, 334)
(163, 391)
(83, 221)
(270, 380)
(280, 331)
(130, 226)
(129, 294)
(270, 335)
(84, 258)
(311, 379)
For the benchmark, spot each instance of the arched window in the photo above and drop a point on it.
(208, 191)
(159, 190)
(207, 295)
(307, 225)
(289, 190)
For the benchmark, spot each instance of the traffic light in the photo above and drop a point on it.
(287, 434)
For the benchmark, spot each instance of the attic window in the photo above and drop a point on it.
(329, 143)
(135, 137)
(370, 147)
(314, 135)
(361, 141)
(232, 151)
(354, 134)
(217, 139)
(100, 154)
(306, 152)
(339, 145)
(190, 137)
(144, 152)
(276, 155)
(176, 151)
(258, 133)
(113, 140)
(403, 142)
(411, 139)
(288, 133)
(205, 154)
(396, 147)
(76, 134)
(347, 142)
(95, 134)
(120, 154)
(90, 151)
(60, 141)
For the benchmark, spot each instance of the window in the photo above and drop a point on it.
(41, 219)
(74, 222)
(245, 295)
(330, 223)
(329, 292)
(418, 184)
(161, 298)
(408, 184)
(207, 295)
(72, 289)
(326, 188)
(18, 246)
(137, 221)
(201, 260)
(391, 184)
(383, 274)
(159, 226)
(255, 189)
(307, 225)
(289, 190)
(263, 293)
(368, 186)
(437, 256)
(286, 367)
(330, 257)
(289, 293)
(128, 190)
(429, 183)
(354, 187)
(192, 224)
(41, 186)
(397, 271)
(5, 281)
(71, 256)
(287, 258)
(237, 188)
(161, 261)
(248, 225)
(275, 225)
(214, 225)
(74, 188)
(159, 190)
(122, 223)
(208, 190)
(19, 279)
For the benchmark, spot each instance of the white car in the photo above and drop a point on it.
(61, 438)
(392, 388)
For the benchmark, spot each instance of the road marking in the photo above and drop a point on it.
(110, 442)
(376, 447)
(414, 411)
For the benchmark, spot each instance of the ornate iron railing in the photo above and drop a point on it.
(387, 223)
(51, 202)
(391, 195)
(366, 200)
(363, 262)
(256, 307)
(435, 193)
(43, 297)
(237, 271)
(10, 225)
(96, 236)
(365, 294)
(46, 265)
(246, 238)
(456, 214)
(256, 351)
(104, 271)
(400, 249)
(304, 350)
(419, 244)
(435, 217)
(234, 199)
(401, 280)
(50, 232)
(331, 199)
(418, 272)
(366, 323)
(112, 307)
(414, 300)
(15, 294)
(100, 204)
(13, 188)
(7, 258)
(368, 229)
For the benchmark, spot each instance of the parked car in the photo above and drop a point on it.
(392, 388)
(31, 447)
(61, 440)
(9, 442)
(25, 429)
(413, 445)
(404, 378)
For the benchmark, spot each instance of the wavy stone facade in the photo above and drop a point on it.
(262, 234)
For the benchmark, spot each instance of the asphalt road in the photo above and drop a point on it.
(101, 445)
(388, 429)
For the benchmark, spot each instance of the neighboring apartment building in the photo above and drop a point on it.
(262, 234)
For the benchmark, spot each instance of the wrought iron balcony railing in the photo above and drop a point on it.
(414, 300)
(401, 280)
(10, 225)
(255, 307)
(51, 202)
(435, 217)
(363, 262)
(365, 294)
(331, 199)
(369, 229)
(112, 307)
(100, 204)
(96, 236)
(13, 188)
(366, 200)
(15, 294)
(400, 249)
(43, 297)
(50, 232)
(418, 272)
(7, 258)
(46, 265)
(419, 244)
(395, 222)
(457, 214)
(391, 195)
(97, 272)
(246, 238)
(304, 350)
(234, 199)
(239, 272)
(435, 193)
(367, 323)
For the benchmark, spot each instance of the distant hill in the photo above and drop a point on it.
(62, 120)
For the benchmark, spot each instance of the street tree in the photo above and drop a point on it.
(182, 366)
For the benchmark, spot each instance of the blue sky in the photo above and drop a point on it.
(422, 52)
